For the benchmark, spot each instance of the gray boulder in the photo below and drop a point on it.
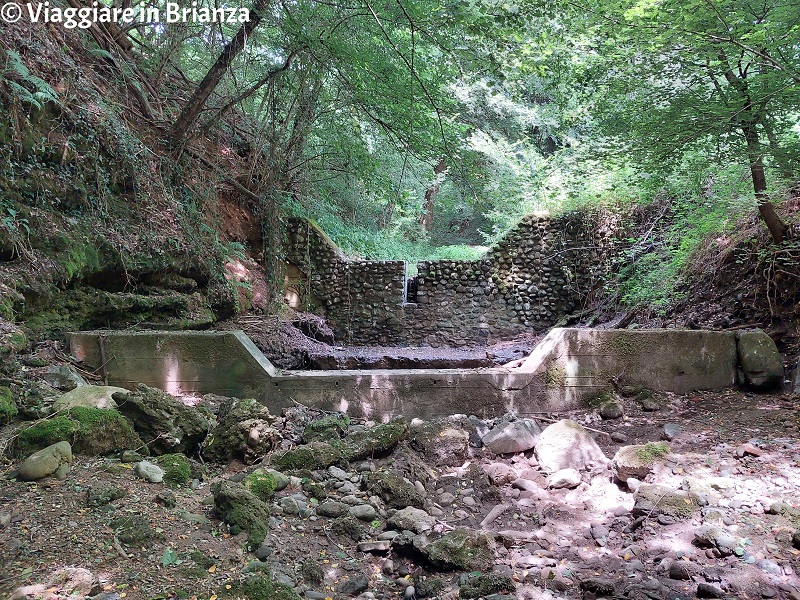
(568, 445)
(565, 478)
(149, 472)
(53, 460)
(62, 377)
(760, 361)
(510, 438)
(164, 424)
(89, 396)
(411, 519)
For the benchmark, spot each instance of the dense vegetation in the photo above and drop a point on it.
(423, 128)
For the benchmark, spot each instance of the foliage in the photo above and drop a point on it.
(27, 87)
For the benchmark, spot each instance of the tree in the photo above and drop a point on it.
(681, 74)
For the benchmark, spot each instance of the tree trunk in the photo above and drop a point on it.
(215, 74)
(426, 218)
(765, 208)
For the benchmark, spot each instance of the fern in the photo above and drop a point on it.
(42, 92)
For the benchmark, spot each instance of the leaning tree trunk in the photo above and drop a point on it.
(215, 74)
(765, 208)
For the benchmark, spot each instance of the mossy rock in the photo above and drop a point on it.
(244, 432)
(486, 584)
(91, 431)
(463, 549)
(374, 442)
(12, 342)
(394, 490)
(651, 499)
(135, 530)
(242, 510)
(177, 469)
(637, 460)
(260, 587)
(327, 427)
(8, 408)
(262, 484)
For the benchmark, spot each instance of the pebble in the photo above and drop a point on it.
(671, 431)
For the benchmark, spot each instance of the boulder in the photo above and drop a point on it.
(655, 500)
(394, 490)
(759, 360)
(637, 460)
(53, 460)
(611, 409)
(440, 442)
(510, 438)
(149, 472)
(411, 519)
(373, 442)
(244, 432)
(165, 424)
(567, 445)
(565, 478)
(88, 396)
(464, 549)
(63, 377)
(242, 510)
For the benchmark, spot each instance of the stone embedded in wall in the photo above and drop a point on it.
(541, 270)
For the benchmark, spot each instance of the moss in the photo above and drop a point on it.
(242, 510)
(374, 442)
(623, 345)
(135, 530)
(329, 426)
(486, 584)
(92, 431)
(8, 408)
(177, 470)
(598, 399)
(201, 560)
(44, 433)
(652, 451)
(102, 431)
(554, 377)
(261, 483)
(261, 587)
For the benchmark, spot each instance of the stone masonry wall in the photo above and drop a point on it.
(540, 271)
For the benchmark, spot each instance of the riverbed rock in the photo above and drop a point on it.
(510, 438)
(242, 510)
(393, 489)
(760, 361)
(165, 424)
(637, 460)
(567, 445)
(565, 478)
(89, 396)
(62, 377)
(465, 549)
(53, 460)
(411, 519)
(244, 432)
(373, 442)
(655, 500)
(149, 471)
(440, 442)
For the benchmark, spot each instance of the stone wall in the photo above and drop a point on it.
(540, 271)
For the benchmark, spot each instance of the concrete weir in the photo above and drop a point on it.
(566, 368)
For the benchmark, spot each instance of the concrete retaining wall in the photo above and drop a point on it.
(564, 370)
